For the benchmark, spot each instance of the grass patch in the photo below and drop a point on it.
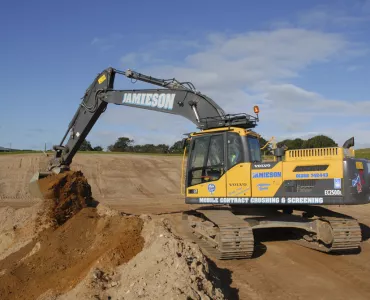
(363, 153)
(21, 152)
(132, 153)
(94, 152)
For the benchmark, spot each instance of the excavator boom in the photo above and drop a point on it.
(174, 97)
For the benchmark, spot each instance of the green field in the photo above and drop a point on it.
(93, 152)
(135, 153)
(363, 153)
(20, 152)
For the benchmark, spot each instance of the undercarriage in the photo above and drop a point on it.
(229, 232)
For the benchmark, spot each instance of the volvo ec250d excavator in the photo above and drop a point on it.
(224, 174)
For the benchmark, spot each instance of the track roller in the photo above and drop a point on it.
(335, 235)
(220, 233)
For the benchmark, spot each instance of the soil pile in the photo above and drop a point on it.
(59, 258)
(65, 195)
(18, 227)
(167, 268)
(100, 254)
(90, 251)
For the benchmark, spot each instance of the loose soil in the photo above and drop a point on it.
(166, 268)
(65, 195)
(81, 250)
(59, 258)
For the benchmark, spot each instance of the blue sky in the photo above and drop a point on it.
(306, 63)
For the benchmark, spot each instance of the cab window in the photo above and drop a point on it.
(254, 149)
(234, 149)
(207, 159)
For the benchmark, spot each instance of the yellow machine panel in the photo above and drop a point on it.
(318, 163)
(266, 182)
(239, 181)
(332, 153)
(216, 188)
(318, 169)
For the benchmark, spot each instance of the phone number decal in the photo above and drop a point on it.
(313, 175)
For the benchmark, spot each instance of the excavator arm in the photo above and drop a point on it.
(174, 97)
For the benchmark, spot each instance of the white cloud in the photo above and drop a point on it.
(353, 68)
(176, 44)
(241, 70)
(103, 138)
(340, 135)
(344, 14)
(256, 56)
(325, 16)
(132, 59)
(106, 43)
(141, 125)
(313, 104)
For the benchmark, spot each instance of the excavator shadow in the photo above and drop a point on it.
(222, 279)
(272, 235)
(259, 249)
(365, 232)
(263, 236)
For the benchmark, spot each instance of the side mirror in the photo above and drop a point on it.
(184, 143)
(279, 153)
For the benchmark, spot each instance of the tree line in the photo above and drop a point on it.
(319, 141)
(125, 144)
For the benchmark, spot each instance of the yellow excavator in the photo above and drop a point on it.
(235, 191)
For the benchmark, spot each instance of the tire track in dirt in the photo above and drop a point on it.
(349, 273)
(13, 174)
(333, 269)
(26, 176)
(20, 183)
(168, 174)
(100, 175)
(287, 272)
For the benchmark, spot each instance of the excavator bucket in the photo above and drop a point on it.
(34, 184)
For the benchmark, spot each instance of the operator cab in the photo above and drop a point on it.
(212, 153)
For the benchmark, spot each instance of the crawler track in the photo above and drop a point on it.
(346, 236)
(234, 237)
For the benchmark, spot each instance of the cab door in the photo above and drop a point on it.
(237, 169)
(206, 167)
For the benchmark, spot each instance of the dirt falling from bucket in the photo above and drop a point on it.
(65, 195)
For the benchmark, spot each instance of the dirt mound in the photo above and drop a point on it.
(167, 268)
(66, 194)
(96, 252)
(18, 227)
(60, 258)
